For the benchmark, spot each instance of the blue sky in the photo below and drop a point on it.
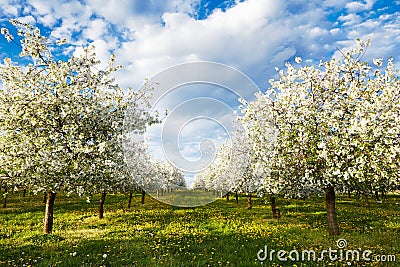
(254, 36)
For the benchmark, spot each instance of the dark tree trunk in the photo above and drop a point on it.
(349, 193)
(249, 204)
(130, 200)
(101, 205)
(143, 195)
(273, 204)
(227, 196)
(275, 212)
(5, 197)
(366, 201)
(48, 216)
(45, 198)
(377, 196)
(333, 226)
(237, 197)
(24, 193)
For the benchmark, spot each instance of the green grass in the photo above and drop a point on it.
(218, 234)
(186, 198)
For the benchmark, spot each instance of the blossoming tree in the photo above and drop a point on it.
(233, 169)
(60, 118)
(337, 126)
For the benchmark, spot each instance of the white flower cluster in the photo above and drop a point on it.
(337, 124)
(61, 121)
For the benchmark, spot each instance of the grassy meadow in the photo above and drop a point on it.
(219, 234)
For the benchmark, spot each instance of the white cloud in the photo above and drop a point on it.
(335, 3)
(65, 18)
(96, 29)
(360, 6)
(370, 24)
(27, 19)
(285, 53)
(334, 31)
(254, 35)
(350, 19)
(47, 20)
(41, 6)
(253, 43)
(231, 37)
(317, 32)
(10, 8)
(115, 11)
(133, 12)
(383, 32)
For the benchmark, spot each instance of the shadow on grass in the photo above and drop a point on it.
(215, 249)
(219, 234)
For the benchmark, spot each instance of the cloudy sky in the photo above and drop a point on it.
(253, 36)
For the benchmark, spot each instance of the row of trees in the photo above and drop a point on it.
(326, 128)
(153, 176)
(62, 121)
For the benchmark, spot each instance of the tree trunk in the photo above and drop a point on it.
(333, 226)
(45, 198)
(24, 193)
(377, 196)
(273, 204)
(5, 197)
(130, 200)
(101, 205)
(275, 212)
(48, 216)
(237, 197)
(249, 204)
(143, 195)
(227, 196)
(366, 201)
(349, 194)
